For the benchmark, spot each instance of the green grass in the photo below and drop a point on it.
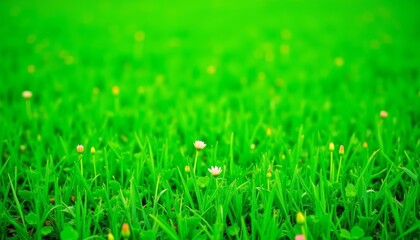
(266, 85)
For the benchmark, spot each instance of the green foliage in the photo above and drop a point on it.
(355, 233)
(69, 233)
(350, 191)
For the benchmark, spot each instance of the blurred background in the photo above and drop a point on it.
(283, 59)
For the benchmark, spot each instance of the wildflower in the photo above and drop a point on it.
(92, 150)
(22, 148)
(331, 147)
(341, 150)
(252, 146)
(187, 169)
(365, 144)
(80, 148)
(300, 218)
(215, 171)
(300, 237)
(116, 90)
(268, 132)
(125, 231)
(383, 114)
(27, 94)
(110, 236)
(199, 145)
(269, 173)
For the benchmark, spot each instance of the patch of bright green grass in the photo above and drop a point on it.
(267, 86)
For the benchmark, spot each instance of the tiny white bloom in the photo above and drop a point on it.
(383, 114)
(215, 171)
(80, 148)
(199, 145)
(27, 94)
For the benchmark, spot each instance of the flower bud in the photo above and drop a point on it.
(341, 150)
(331, 147)
(125, 231)
(110, 236)
(268, 132)
(80, 148)
(116, 90)
(26, 94)
(383, 114)
(300, 237)
(365, 144)
(300, 218)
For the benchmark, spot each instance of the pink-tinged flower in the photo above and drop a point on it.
(199, 145)
(215, 171)
(300, 237)
(27, 94)
(300, 218)
(80, 148)
(383, 114)
(125, 231)
(341, 150)
(331, 147)
(187, 169)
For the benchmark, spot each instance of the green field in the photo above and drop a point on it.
(310, 108)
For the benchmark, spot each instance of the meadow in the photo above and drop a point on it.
(209, 119)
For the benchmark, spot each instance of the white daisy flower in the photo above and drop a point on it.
(215, 171)
(199, 145)
(26, 94)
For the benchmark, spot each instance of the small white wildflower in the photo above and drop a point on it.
(383, 114)
(80, 148)
(199, 145)
(252, 146)
(27, 94)
(215, 171)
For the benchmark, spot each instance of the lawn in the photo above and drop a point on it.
(209, 120)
